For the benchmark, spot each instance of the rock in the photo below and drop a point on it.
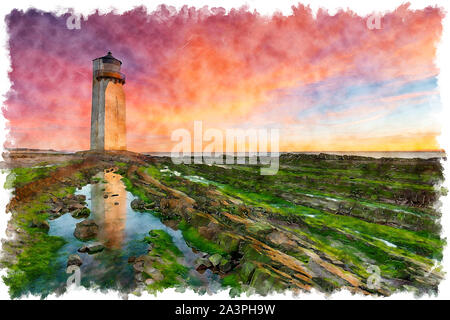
(75, 206)
(149, 281)
(92, 248)
(74, 260)
(199, 219)
(95, 248)
(149, 206)
(140, 259)
(81, 213)
(80, 197)
(55, 216)
(262, 281)
(154, 273)
(210, 231)
(140, 205)
(215, 259)
(44, 225)
(136, 204)
(224, 265)
(229, 242)
(246, 271)
(86, 230)
(138, 266)
(57, 209)
(139, 277)
(282, 240)
(202, 263)
(173, 224)
(152, 259)
(83, 249)
(173, 207)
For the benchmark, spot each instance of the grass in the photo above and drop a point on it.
(136, 190)
(348, 239)
(194, 239)
(34, 262)
(162, 242)
(39, 249)
(18, 177)
(163, 248)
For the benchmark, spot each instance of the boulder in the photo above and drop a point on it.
(138, 266)
(80, 197)
(86, 230)
(154, 273)
(136, 204)
(209, 231)
(95, 248)
(246, 271)
(57, 209)
(83, 249)
(140, 205)
(139, 277)
(215, 259)
(282, 240)
(74, 205)
(224, 265)
(44, 225)
(81, 213)
(229, 242)
(74, 260)
(202, 264)
(92, 248)
(262, 281)
(173, 207)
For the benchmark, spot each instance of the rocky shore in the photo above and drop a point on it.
(322, 223)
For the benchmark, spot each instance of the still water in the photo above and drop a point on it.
(121, 231)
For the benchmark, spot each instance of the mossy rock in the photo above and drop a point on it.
(260, 228)
(225, 265)
(40, 224)
(228, 242)
(262, 281)
(86, 230)
(199, 219)
(215, 259)
(246, 271)
(81, 213)
(250, 253)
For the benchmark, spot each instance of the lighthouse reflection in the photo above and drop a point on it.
(108, 201)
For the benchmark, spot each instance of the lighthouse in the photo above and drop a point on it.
(108, 124)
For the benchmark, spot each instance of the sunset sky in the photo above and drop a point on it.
(326, 81)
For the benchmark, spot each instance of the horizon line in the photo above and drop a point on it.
(303, 151)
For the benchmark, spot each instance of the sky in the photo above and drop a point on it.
(327, 82)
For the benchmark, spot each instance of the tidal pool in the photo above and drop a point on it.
(121, 231)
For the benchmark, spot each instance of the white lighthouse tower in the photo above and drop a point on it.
(108, 117)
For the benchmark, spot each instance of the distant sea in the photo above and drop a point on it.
(372, 154)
